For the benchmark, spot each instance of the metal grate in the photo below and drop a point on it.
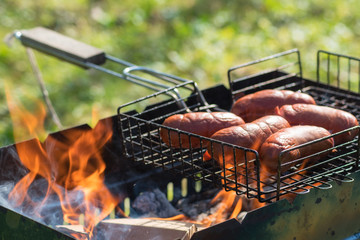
(338, 70)
(279, 68)
(334, 92)
(140, 133)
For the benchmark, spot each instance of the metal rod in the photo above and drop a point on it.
(45, 93)
(264, 59)
(349, 75)
(338, 72)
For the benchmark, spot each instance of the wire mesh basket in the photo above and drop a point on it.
(143, 143)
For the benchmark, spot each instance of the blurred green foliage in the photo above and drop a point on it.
(197, 40)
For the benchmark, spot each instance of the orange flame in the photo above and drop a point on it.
(73, 167)
(229, 207)
(27, 125)
(226, 204)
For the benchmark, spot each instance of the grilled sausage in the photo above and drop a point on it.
(291, 137)
(264, 102)
(201, 123)
(334, 120)
(249, 135)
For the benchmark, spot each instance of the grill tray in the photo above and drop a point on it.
(140, 131)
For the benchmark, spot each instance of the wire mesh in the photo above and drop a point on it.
(338, 70)
(234, 167)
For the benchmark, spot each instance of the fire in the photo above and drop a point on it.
(73, 167)
(300, 173)
(27, 124)
(230, 206)
(226, 204)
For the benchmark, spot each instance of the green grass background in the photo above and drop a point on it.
(197, 40)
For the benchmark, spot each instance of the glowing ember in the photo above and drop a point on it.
(73, 169)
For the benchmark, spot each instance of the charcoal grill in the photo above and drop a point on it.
(137, 133)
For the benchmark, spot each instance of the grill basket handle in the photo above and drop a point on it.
(61, 46)
(86, 56)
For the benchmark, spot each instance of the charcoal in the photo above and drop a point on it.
(193, 209)
(154, 204)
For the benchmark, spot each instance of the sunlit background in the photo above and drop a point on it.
(197, 40)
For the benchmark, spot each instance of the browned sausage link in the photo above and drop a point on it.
(201, 123)
(334, 120)
(249, 135)
(264, 102)
(290, 137)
